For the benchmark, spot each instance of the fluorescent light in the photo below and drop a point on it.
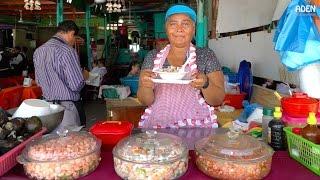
(120, 21)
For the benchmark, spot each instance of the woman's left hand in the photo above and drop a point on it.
(199, 80)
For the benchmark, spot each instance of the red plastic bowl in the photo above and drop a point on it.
(299, 105)
(111, 132)
(234, 100)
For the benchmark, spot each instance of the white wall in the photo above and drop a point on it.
(265, 61)
(235, 15)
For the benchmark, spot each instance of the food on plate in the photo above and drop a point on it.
(151, 155)
(66, 157)
(230, 156)
(170, 69)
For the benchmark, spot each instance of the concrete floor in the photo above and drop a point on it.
(95, 110)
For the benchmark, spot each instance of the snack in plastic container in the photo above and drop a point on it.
(233, 156)
(171, 73)
(151, 155)
(67, 156)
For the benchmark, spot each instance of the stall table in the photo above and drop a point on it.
(129, 109)
(32, 92)
(13, 96)
(283, 167)
(10, 97)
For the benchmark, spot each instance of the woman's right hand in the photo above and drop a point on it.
(146, 79)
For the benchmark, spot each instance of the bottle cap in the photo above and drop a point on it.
(277, 113)
(312, 120)
(267, 111)
(296, 130)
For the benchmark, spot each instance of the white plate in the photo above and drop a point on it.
(171, 75)
(174, 81)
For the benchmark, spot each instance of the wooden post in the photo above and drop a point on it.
(200, 24)
(88, 45)
(215, 4)
(105, 38)
(59, 16)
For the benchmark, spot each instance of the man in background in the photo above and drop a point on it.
(58, 73)
(19, 61)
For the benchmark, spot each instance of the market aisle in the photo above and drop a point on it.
(95, 110)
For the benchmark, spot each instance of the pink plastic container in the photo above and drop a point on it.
(8, 160)
(295, 121)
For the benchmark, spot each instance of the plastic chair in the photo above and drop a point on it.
(8, 82)
(11, 97)
(91, 90)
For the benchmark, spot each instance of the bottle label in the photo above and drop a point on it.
(277, 138)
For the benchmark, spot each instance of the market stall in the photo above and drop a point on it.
(283, 167)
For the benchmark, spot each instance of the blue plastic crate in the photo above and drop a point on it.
(233, 78)
(132, 82)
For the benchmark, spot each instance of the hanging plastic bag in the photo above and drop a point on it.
(297, 37)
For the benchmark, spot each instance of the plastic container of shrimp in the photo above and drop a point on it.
(64, 156)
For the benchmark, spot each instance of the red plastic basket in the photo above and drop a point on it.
(111, 132)
(299, 105)
(234, 100)
(8, 160)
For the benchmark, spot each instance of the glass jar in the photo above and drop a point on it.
(151, 155)
(67, 156)
(233, 156)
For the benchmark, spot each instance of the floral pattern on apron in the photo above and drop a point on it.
(178, 105)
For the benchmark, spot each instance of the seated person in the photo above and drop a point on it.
(102, 67)
(18, 62)
(97, 73)
(95, 68)
(134, 69)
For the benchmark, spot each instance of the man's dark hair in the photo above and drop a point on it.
(18, 48)
(67, 26)
(24, 49)
(133, 63)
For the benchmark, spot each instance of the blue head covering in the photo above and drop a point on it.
(181, 9)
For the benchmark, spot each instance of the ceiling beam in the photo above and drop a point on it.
(13, 13)
(20, 2)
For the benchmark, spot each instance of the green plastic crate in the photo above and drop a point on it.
(304, 151)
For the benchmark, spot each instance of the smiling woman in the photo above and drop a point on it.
(181, 105)
(180, 30)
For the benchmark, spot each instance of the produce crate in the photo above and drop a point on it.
(8, 160)
(132, 82)
(304, 151)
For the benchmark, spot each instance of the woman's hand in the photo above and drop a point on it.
(199, 80)
(145, 92)
(146, 79)
(85, 74)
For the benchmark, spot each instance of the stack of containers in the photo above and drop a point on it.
(296, 109)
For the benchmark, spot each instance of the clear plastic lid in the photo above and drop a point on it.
(62, 146)
(232, 146)
(151, 147)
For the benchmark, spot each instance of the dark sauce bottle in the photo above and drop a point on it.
(276, 136)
